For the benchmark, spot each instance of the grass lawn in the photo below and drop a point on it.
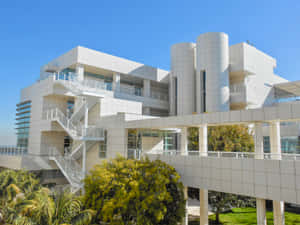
(247, 216)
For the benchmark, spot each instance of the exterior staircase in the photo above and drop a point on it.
(77, 150)
(80, 134)
(78, 131)
(87, 102)
(69, 167)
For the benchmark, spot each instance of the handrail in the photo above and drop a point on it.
(222, 154)
(77, 130)
(159, 95)
(13, 150)
(71, 79)
(237, 88)
(68, 164)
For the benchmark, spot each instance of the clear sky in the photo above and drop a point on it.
(34, 32)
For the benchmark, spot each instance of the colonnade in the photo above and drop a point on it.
(275, 147)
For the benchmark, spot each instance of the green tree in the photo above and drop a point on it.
(125, 192)
(231, 138)
(221, 202)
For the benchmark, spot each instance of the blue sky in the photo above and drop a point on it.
(34, 32)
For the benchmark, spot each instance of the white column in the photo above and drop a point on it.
(80, 71)
(203, 207)
(278, 212)
(184, 141)
(259, 154)
(116, 82)
(185, 220)
(146, 88)
(275, 142)
(203, 192)
(261, 211)
(258, 141)
(203, 140)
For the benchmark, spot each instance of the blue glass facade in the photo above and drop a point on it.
(288, 144)
(23, 123)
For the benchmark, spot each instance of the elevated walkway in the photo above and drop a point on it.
(238, 173)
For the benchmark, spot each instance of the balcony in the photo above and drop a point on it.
(238, 96)
(96, 86)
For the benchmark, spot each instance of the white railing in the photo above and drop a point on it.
(222, 154)
(237, 88)
(131, 90)
(94, 132)
(94, 85)
(12, 150)
(70, 167)
(159, 96)
(75, 131)
(65, 76)
(71, 80)
(58, 115)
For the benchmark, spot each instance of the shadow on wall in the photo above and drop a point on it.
(156, 74)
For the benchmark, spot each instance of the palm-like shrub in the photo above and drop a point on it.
(25, 202)
(16, 182)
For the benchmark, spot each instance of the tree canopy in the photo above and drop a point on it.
(139, 192)
(230, 138)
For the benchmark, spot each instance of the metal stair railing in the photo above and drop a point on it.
(69, 167)
(75, 153)
(79, 113)
(57, 115)
(94, 132)
(77, 131)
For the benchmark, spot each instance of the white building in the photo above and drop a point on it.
(89, 105)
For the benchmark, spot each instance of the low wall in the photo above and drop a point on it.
(267, 179)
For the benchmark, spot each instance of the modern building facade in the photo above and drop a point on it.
(87, 106)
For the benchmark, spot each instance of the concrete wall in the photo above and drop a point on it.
(152, 143)
(266, 179)
(92, 157)
(112, 106)
(212, 56)
(11, 162)
(261, 78)
(92, 58)
(281, 112)
(183, 67)
(35, 93)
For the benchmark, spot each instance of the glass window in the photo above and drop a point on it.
(203, 88)
(23, 123)
(103, 146)
(138, 91)
(267, 144)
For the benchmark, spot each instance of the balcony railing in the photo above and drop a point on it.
(95, 85)
(13, 150)
(159, 96)
(222, 154)
(237, 88)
